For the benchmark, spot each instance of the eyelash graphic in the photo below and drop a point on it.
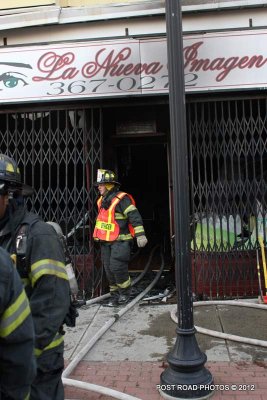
(11, 81)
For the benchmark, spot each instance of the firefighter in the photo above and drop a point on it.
(118, 221)
(17, 362)
(40, 260)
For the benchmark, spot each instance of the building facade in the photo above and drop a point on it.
(85, 85)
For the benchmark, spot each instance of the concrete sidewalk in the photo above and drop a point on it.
(132, 354)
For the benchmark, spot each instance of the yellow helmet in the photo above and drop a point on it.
(106, 176)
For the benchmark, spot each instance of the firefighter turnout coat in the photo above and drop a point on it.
(17, 361)
(118, 221)
(42, 269)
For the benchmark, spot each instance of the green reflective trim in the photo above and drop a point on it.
(128, 236)
(120, 216)
(25, 281)
(14, 315)
(37, 352)
(58, 339)
(47, 267)
(139, 229)
(125, 284)
(129, 209)
(27, 397)
(113, 288)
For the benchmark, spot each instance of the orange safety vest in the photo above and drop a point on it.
(106, 227)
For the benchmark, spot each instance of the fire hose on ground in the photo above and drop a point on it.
(100, 333)
(222, 335)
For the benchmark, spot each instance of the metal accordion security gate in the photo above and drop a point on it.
(228, 173)
(58, 151)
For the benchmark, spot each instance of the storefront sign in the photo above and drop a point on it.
(131, 67)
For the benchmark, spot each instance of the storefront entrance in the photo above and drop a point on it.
(60, 148)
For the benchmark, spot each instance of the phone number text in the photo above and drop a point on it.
(124, 84)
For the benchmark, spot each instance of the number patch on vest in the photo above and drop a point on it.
(105, 226)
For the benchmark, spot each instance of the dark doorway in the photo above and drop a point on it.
(143, 172)
(135, 146)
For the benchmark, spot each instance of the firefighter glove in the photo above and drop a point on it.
(141, 241)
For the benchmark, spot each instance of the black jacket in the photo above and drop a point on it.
(17, 361)
(43, 273)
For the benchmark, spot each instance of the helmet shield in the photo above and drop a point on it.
(10, 177)
(106, 176)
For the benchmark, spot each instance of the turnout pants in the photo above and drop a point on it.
(115, 258)
(48, 383)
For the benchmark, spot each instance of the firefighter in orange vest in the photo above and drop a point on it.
(117, 223)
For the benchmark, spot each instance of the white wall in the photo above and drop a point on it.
(154, 25)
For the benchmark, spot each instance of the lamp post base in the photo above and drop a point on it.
(186, 377)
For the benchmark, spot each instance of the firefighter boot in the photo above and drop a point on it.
(114, 297)
(125, 295)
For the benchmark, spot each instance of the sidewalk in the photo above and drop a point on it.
(131, 356)
(140, 379)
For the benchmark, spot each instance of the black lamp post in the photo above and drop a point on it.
(186, 377)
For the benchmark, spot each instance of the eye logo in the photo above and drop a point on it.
(13, 79)
(10, 80)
